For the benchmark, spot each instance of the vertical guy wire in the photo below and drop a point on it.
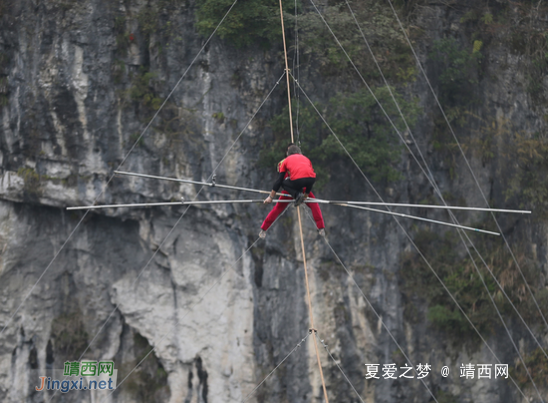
(287, 73)
(297, 68)
(313, 330)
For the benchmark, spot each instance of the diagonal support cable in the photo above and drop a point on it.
(397, 221)
(277, 366)
(438, 103)
(432, 181)
(428, 176)
(217, 281)
(379, 317)
(341, 370)
(121, 163)
(183, 214)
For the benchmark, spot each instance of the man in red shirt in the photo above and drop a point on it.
(297, 177)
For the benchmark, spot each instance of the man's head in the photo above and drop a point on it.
(293, 149)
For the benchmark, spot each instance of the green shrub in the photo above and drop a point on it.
(520, 24)
(69, 335)
(379, 27)
(148, 381)
(487, 18)
(470, 16)
(122, 36)
(537, 364)
(32, 184)
(142, 90)
(148, 20)
(219, 117)
(249, 22)
(529, 180)
(361, 127)
(459, 275)
(446, 397)
(458, 71)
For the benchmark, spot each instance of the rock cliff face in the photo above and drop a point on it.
(80, 81)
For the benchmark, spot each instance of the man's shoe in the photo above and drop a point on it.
(262, 234)
(299, 199)
(321, 232)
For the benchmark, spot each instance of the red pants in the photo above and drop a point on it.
(280, 207)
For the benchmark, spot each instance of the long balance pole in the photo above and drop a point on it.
(350, 204)
(250, 201)
(335, 202)
(312, 328)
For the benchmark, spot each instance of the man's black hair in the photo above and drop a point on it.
(293, 149)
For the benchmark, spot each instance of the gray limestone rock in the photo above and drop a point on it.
(208, 308)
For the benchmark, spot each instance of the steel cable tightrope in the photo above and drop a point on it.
(296, 67)
(312, 326)
(119, 165)
(432, 181)
(375, 312)
(286, 72)
(300, 223)
(183, 214)
(435, 187)
(399, 224)
(466, 160)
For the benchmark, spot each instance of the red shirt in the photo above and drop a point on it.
(297, 166)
